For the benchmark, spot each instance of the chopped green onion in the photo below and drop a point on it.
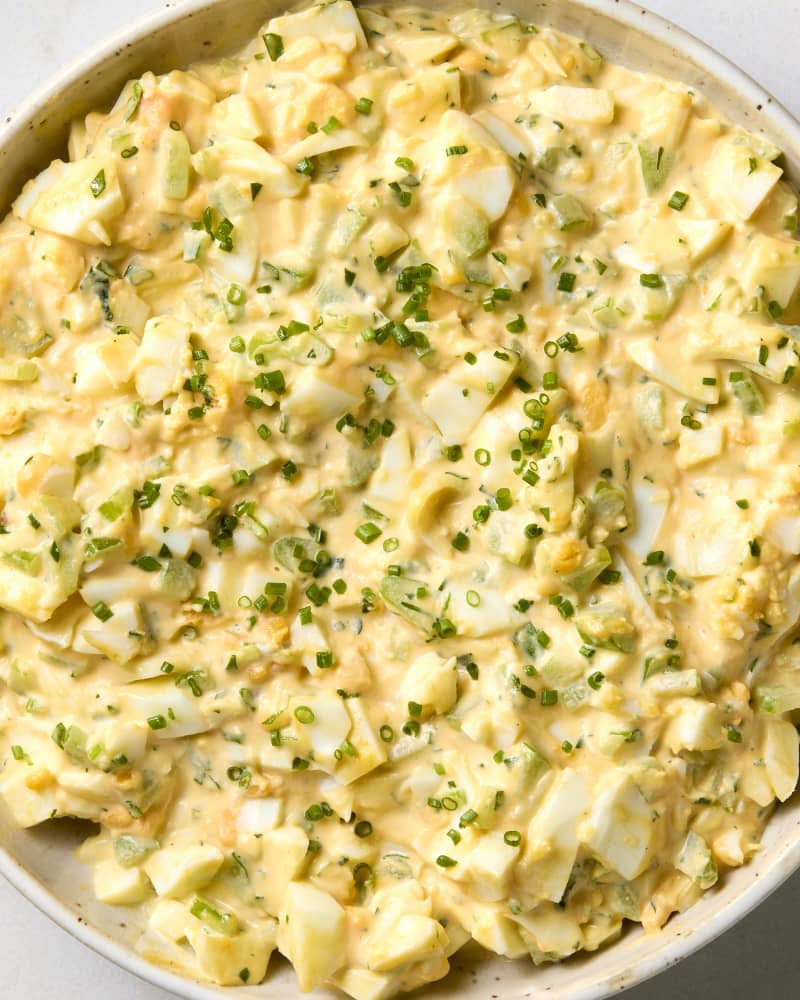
(274, 46)
(678, 201)
(460, 542)
(566, 281)
(367, 532)
(443, 861)
(98, 183)
(102, 611)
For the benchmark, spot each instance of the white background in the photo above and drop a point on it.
(758, 959)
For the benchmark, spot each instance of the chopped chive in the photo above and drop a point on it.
(460, 542)
(566, 281)
(274, 46)
(331, 125)
(98, 183)
(102, 611)
(678, 201)
(775, 310)
(305, 167)
(367, 532)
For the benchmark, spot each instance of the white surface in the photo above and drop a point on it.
(757, 959)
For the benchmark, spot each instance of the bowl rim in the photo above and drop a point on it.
(628, 15)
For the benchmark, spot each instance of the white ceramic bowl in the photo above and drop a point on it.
(40, 862)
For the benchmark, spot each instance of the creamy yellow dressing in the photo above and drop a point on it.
(400, 513)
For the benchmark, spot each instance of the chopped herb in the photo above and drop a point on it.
(102, 611)
(443, 861)
(274, 46)
(678, 201)
(98, 183)
(566, 281)
(367, 532)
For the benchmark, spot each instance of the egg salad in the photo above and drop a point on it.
(400, 456)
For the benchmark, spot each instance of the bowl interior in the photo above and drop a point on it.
(40, 861)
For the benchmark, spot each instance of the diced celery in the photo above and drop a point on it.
(656, 166)
(349, 224)
(130, 850)
(137, 275)
(559, 672)
(175, 162)
(26, 562)
(777, 699)
(607, 627)
(650, 406)
(117, 504)
(748, 396)
(291, 551)
(409, 598)
(574, 697)
(549, 159)
(595, 562)
(72, 740)
(22, 371)
(470, 228)
(506, 39)
(177, 580)
(218, 920)
(570, 212)
(695, 860)
(194, 242)
(608, 506)
(305, 349)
